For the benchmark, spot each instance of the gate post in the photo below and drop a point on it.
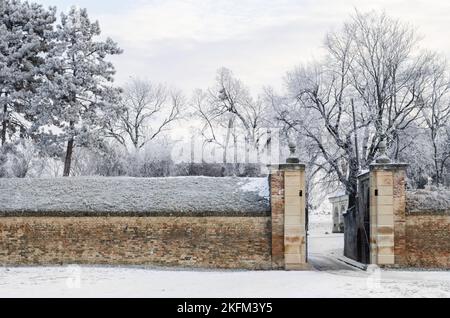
(288, 204)
(387, 210)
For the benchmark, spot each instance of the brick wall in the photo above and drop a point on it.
(427, 240)
(206, 242)
(277, 206)
(399, 205)
(408, 229)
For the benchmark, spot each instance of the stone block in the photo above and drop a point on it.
(386, 250)
(293, 192)
(385, 259)
(384, 200)
(293, 249)
(294, 219)
(294, 230)
(385, 230)
(385, 220)
(385, 240)
(293, 259)
(385, 210)
(292, 181)
(385, 191)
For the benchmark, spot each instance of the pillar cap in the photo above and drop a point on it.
(287, 166)
(389, 166)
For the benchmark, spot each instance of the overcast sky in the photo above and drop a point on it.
(184, 42)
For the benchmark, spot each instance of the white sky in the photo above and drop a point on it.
(184, 42)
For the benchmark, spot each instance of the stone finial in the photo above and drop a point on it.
(382, 157)
(293, 150)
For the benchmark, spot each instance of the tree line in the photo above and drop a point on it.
(375, 84)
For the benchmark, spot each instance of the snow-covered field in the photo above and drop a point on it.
(74, 281)
(141, 282)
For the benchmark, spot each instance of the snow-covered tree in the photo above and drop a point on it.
(228, 109)
(365, 91)
(79, 96)
(436, 115)
(149, 110)
(26, 36)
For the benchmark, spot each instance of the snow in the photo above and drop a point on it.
(436, 200)
(74, 281)
(322, 243)
(259, 185)
(135, 195)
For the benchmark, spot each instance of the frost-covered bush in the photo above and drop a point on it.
(154, 160)
(17, 159)
(103, 160)
(431, 200)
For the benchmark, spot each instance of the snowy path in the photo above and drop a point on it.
(324, 247)
(147, 282)
(326, 263)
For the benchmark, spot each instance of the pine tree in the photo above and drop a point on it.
(79, 96)
(26, 31)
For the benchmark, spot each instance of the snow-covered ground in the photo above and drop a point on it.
(141, 282)
(74, 281)
(321, 239)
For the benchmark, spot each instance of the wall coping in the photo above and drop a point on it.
(125, 214)
(427, 212)
(339, 198)
(288, 166)
(135, 196)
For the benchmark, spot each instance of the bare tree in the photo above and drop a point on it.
(228, 107)
(365, 91)
(385, 73)
(436, 115)
(149, 110)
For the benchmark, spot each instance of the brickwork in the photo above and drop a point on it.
(427, 240)
(399, 237)
(399, 206)
(205, 242)
(277, 220)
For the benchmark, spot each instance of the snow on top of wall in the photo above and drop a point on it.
(428, 200)
(257, 185)
(135, 195)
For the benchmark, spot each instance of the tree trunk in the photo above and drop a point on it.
(4, 124)
(247, 150)
(227, 141)
(69, 151)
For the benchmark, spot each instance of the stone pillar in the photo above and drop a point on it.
(288, 195)
(387, 211)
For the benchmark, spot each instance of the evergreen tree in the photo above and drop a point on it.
(26, 33)
(79, 97)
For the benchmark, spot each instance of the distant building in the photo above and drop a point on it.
(339, 206)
